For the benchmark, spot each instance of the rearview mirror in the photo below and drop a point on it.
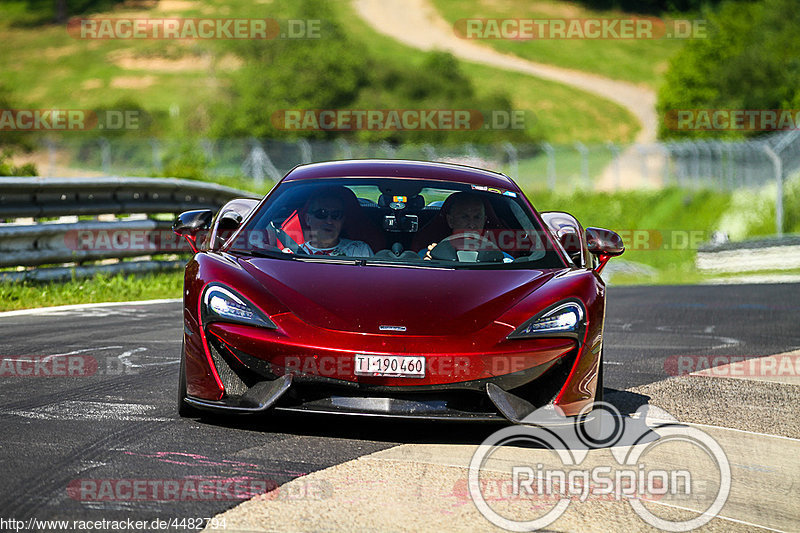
(605, 244)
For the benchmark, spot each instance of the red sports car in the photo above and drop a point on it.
(396, 289)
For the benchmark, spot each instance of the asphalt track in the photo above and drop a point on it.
(119, 422)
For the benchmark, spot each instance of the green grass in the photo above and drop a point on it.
(101, 288)
(46, 67)
(673, 216)
(562, 114)
(641, 61)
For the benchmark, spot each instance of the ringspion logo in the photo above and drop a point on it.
(545, 485)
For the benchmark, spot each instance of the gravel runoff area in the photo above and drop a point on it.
(377, 493)
(419, 487)
(762, 407)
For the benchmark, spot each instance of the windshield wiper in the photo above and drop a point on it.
(277, 254)
(272, 254)
(336, 260)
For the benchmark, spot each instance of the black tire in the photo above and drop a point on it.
(593, 425)
(184, 409)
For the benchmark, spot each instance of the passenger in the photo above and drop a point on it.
(324, 219)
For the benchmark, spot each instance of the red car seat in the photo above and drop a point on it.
(357, 226)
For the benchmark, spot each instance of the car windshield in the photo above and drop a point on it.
(397, 221)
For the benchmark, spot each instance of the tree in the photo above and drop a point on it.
(750, 60)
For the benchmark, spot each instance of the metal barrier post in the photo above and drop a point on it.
(581, 148)
(551, 166)
(513, 159)
(778, 166)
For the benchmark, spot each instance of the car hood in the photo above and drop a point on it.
(424, 301)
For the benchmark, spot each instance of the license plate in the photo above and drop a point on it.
(393, 366)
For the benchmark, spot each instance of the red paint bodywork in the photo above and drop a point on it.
(329, 312)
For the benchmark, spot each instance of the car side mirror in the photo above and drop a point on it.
(605, 244)
(190, 223)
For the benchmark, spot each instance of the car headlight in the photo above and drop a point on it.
(566, 319)
(221, 304)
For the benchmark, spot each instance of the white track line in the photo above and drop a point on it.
(728, 518)
(42, 310)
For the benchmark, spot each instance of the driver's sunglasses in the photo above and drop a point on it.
(333, 214)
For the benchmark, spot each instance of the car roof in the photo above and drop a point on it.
(401, 168)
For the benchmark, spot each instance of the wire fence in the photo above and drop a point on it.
(717, 165)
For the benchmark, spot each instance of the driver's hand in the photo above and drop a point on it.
(428, 253)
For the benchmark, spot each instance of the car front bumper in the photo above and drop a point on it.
(255, 370)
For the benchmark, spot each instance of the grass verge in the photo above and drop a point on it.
(662, 228)
(118, 288)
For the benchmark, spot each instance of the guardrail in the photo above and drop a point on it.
(58, 242)
(51, 197)
(782, 253)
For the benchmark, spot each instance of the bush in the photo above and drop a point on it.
(338, 73)
(750, 60)
(38, 12)
(650, 7)
(9, 169)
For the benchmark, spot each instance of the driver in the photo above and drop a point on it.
(466, 216)
(324, 217)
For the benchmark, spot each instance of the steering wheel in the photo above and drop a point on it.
(445, 250)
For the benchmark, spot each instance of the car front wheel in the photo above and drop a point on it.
(184, 409)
